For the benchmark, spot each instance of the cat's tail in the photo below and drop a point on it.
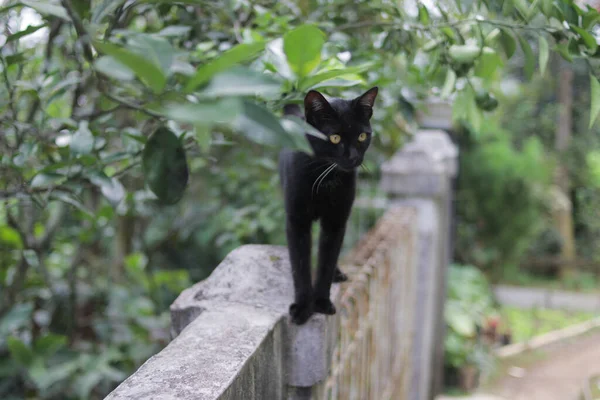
(293, 109)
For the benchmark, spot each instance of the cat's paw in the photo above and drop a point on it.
(301, 312)
(324, 306)
(339, 276)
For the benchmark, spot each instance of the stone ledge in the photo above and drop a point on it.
(206, 357)
(233, 338)
(256, 275)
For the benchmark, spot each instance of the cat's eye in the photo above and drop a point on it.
(335, 139)
(362, 137)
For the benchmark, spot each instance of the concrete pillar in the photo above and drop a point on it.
(421, 175)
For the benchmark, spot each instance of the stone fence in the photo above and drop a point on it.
(233, 339)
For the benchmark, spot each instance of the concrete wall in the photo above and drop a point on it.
(233, 340)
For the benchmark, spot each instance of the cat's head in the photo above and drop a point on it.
(346, 125)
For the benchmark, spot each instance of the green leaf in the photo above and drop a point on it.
(104, 8)
(154, 48)
(492, 36)
(340, 83)
(175, 31)
(302, 47)
(18, 316)
(138, 138)
(47, 8)
(68, 198)
(15, 58)
(205, 113)
(563, 50)
(165, 166)
(310, 81)
(260, 125)
(595, 99)
(449, 83)
(86, 382)
(544, 55)
(47, 180)
(112, 68)
(587, 38)
(44, 377)
(462, 324)
(49, 344)
(465, 53)
(241, 81)
(203, 136)
(465, 110)
(235, 55)
(423, 14)
(148, 72)
(28, 31)
(522, 8)
(297, 128)
(488, 64)
(10, 238)
(508, 43)
(111, 188)
(529, 58)
(590, 19)
(82, 141)
(19, 351)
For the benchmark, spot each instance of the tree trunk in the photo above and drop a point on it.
(562, 215)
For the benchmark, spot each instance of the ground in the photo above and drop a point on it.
(559, 374)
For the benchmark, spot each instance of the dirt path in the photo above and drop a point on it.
(558, 376)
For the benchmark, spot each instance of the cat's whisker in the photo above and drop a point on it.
(323, 174)
(323, 178)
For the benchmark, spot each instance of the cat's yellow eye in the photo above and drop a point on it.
(335, 139)
(362, 137)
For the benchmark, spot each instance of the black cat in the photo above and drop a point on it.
(322, 187)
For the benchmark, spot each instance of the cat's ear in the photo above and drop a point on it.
(315, 103)
(366, 101)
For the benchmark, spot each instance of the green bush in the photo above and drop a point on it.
(469, 301)
(501, 199)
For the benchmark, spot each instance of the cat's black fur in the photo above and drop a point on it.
(313, 192)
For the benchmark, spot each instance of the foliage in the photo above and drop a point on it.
(527, 323)
(469, 301)
(531, 112)
(580, 281)
(500, 183)
(111, 108)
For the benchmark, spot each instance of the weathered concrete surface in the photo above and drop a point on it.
(527, 297)
(205, 359)
(234, 339)
(255, 275)
(422, 168)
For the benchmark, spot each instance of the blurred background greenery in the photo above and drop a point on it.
(102, 223)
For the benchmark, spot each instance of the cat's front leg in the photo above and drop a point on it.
(339, 276)
(299, 244)
(330, 244)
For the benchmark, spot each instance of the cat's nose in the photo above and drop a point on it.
(354, 157)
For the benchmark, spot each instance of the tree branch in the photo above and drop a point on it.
(84, 38)
(10, 89)
(55, 220)
(450, 24)
(132, 106)
(54, 30)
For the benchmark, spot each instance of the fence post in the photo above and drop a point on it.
(421, 175)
